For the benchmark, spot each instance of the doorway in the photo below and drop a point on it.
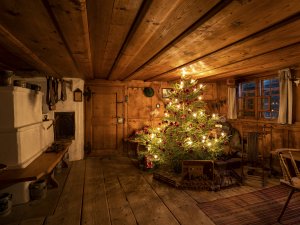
(105, 120)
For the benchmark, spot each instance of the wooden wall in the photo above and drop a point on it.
(138, 110)
(142, 110)
(282, 135)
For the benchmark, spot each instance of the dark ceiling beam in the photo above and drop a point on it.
(139, 17)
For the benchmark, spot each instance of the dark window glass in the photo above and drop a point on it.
(259, 98)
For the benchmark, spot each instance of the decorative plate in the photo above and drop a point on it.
(148, 91)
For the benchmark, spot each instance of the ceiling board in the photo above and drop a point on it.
(110, 22)
(17, 53)
(163, 22)
(148, 40)
(75, 33)
(31, 24)
(236, 21)
(281, 35)
(279, 58)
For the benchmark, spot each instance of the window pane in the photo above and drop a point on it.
(264, 104)
(249, 103)
(275, 83)
(275, 103)
(275, 87)
(250, 86)
(266, 84)
(266, 115)
(259, 100)
(265, 88)
(248, 89)
(266, 92)
(274, 115)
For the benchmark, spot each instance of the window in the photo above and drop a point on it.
(259, 98)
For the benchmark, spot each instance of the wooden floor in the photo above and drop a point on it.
(112, 190)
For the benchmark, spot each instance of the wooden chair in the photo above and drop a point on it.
(290, 171)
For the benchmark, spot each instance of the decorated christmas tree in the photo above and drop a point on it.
(186, 131)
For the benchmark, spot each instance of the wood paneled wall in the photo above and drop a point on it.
(282, 135)
(138, 109)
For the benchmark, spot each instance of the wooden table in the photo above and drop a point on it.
(41, 167)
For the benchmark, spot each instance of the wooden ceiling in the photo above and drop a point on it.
(151, 40)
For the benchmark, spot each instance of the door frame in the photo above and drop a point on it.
(102, 86)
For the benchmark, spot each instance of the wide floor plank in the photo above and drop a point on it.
(95, 207)
(183, 207)
(110, 190)
(120, 210)
(33, 221)
(147, 206)
(68, 210)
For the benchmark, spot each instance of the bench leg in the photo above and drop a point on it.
(52, 181)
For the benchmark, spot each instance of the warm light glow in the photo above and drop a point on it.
(201, 113)
(203, 137)
(193, 68)
(201, 86)
(183, 72)
(203, 141)
(152, 136)
(213, 115)
(178, 106)
(166, 114)
(190, 142)
(192, 81)
(194, 114)
(223, 134)
(155, 156)
(200, 97)
(176, 100)
(159, 141)
(181, 84)
(209, 144)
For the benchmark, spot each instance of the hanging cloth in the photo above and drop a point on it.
(55, 90)
(63, 94)
(286, 97)
(50, 93)
(231, 96)
(59, 89)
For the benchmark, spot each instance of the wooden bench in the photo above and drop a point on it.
(41, 167)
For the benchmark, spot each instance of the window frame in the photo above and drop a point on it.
(257, 98)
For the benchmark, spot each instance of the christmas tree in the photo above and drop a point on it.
(186, 131)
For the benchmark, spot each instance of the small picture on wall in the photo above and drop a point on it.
(166, 92)
(77, 95)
